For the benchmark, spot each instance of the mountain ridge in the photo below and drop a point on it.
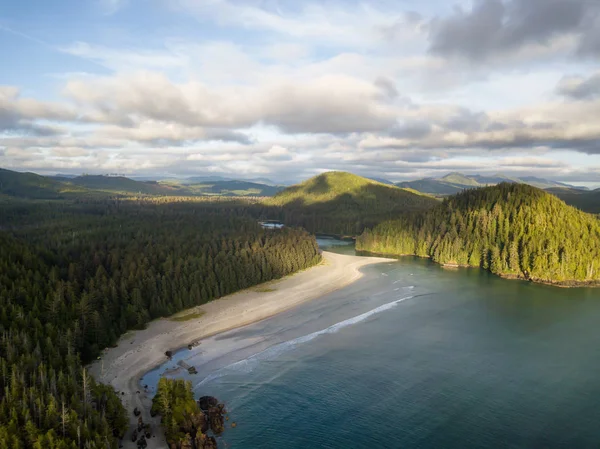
(455, 182)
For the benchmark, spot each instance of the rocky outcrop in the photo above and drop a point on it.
(186, 421)
(216, 418)
(205, 402)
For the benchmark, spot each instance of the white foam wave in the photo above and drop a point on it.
(248, 364)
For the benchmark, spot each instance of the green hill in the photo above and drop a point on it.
(513, 230)
(32, 186)
(343, 203)
(586, 200)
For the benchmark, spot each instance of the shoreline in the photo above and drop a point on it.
(138, 352)
(507, 276)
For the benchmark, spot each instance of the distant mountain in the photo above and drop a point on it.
(453, 183)
(382, 181)
(459, 179)
(343, 203)
(513, 230)
(202, 179)
(586, 200)
(232, 188)
(122, 185)
(32, 186)
(63, 176)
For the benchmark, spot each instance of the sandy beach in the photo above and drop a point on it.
(140, 351)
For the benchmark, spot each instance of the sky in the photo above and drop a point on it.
(286, 89)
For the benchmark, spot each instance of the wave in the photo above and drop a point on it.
(248, 364)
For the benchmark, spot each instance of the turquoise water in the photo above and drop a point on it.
(412, 356)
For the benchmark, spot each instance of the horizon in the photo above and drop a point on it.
(285, 182)
(286, 90)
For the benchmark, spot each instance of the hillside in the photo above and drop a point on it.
(453, 183)
(587, 201)
(512, 230)
(343, 203)
(32, 186)
(226, 188)
(120, 184)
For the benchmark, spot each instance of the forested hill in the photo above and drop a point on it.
(512, 230)
(30, 185)
(76, 276)
(343, 203)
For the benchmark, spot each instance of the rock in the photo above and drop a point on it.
(205, 402)
(153, 413)
(216, 420)
(136, 412)
(190, 346)
(169, 354)
(192, 370)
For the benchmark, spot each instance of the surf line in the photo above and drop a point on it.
(248, 364)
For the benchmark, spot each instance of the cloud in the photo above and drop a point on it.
(19, 115)
(329, 23)
(496, 27)
(124, 59)
(328, 104)
(161, 134)
(580, 88)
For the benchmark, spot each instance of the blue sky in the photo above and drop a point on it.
(287, 89)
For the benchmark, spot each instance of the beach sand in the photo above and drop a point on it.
(140, 351)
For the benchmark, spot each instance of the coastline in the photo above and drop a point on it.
(507, 276)
(141, 351)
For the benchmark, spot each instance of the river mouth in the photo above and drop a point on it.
(411, 355)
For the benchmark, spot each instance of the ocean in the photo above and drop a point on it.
(411, 356)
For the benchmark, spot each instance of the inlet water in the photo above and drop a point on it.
(412, 356)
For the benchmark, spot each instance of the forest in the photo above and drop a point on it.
(76, 275)
(513, 230)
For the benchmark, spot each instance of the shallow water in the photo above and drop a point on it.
(412, 355)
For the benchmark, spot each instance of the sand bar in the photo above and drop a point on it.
(140, 351)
